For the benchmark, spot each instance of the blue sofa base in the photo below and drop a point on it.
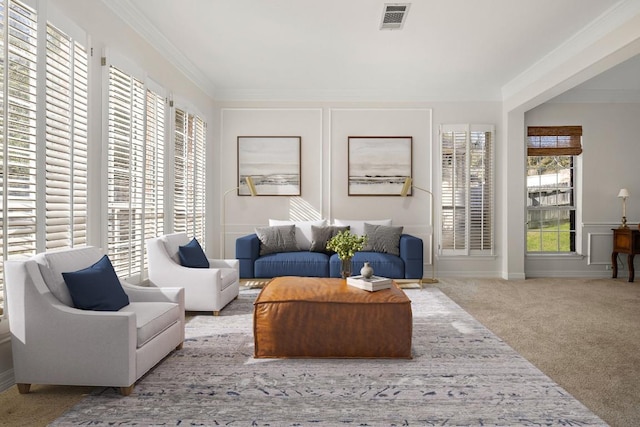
(409, 265)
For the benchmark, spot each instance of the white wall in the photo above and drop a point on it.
(325, 128)
(608, 163)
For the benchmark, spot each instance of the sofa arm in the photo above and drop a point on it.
(138, 293)
(247, 252)
(411, 252)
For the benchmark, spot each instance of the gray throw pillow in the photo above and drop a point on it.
(321, 235)
(381, 238)
(281, 238)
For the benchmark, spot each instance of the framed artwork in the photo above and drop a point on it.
(272, 162)
(379, 165)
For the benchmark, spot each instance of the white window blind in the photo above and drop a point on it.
(154, 167)
(189, 186)
(125, 165)
(467, 189)
(18, 39)
(136, 156)
(66, 141)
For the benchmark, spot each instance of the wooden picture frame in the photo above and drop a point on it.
(273, 162)
(379, 165)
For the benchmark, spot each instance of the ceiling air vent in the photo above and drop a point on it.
(394, 15)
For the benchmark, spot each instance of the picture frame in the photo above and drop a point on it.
(273, 163)
(379, 165)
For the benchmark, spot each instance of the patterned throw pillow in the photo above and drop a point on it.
(276, 239)
(321, 235)
(381, 238)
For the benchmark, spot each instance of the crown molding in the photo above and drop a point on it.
(127, 11)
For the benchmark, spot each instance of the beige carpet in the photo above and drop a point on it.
(584, 334)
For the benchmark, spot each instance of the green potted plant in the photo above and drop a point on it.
(346, 244)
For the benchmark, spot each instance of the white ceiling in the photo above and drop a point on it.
(453, 50)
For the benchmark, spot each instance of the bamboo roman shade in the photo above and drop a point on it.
(554, 140)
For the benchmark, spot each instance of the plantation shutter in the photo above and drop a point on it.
(454, 188)
(154, 167)
(480, 190)
(18, 40)
(554, 140)
(19, 131)
(189, 187)
(180, 184)
(66, 141)
(125, 165)
(467, 189)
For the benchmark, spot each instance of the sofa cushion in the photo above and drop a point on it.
(96, 287)
(192, 256)
(357, 226)
(53, 264)
(304, 235)
(277, 239)
(152, 318)
(384, 265)
(300, 263)
(321, 235)
(381, 238)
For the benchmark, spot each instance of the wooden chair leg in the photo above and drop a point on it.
(126, 391)
(23, 388)
(216, 313)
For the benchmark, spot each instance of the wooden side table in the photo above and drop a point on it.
(626, 241)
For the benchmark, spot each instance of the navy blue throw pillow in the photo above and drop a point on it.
(96, 287)
(192, 255)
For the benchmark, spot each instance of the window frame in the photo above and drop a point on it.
(557, 141)
(466, 245)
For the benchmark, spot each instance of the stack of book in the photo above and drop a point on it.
(373, 283)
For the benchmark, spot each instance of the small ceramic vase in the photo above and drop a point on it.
(366, 271)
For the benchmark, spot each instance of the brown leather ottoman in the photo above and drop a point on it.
(322, 317)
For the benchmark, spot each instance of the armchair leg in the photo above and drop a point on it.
(23, 388)
(179, 347)
(216, 313)
(126, 391)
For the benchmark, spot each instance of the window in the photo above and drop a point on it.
(189, 187)
(467, 189)
(135, 165)
(18, 39)
(43, 175)
(66, 141)
(551, 172)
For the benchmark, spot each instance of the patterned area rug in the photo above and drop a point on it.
(461, 374)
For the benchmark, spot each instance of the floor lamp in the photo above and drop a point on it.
(252, 191)
(405, 190)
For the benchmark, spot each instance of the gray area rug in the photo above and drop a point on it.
(461, 374)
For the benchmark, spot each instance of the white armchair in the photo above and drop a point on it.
(205, 289)
(54, 343)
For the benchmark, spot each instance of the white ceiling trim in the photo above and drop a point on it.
(139, 23)
(605, 24)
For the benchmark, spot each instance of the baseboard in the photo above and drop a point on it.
(7, 379)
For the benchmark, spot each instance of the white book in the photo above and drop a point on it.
(374, 283)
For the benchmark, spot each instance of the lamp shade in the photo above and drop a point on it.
(624, 193)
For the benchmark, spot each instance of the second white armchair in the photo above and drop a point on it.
(205, 289)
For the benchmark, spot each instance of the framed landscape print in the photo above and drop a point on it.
(272, 162)
(379, 165)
